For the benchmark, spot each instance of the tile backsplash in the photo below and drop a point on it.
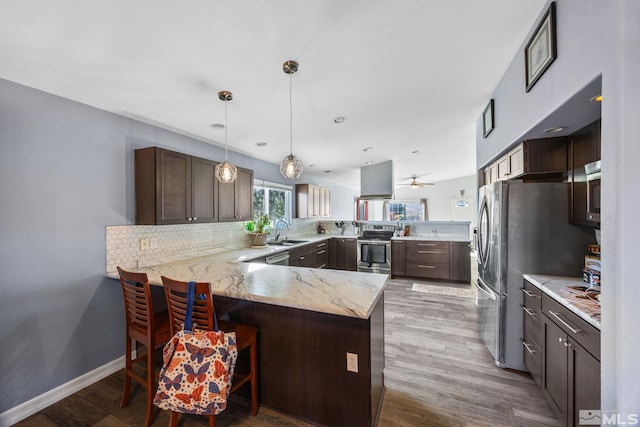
(123, 241)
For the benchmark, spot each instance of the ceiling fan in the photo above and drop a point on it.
(414, 181)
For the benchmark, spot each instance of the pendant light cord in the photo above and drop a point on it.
(290, 114)
(225, 130)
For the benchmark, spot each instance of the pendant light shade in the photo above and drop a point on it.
(290, 166)
(225, 171)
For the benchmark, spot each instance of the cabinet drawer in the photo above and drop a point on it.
(532, 297)
(533, 359)
(430, 256)
(422, 269)
(533, 325)
(415, 245)
(576, 328)
(321, 257)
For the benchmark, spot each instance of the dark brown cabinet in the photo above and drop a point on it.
(313, 255)
(398, 262)
(562, 352)
(459, 261)
(428, 259)
(344, 252)
(174, 188)
(312, 201)
(584, 148)
(534, 160)
(533, 331)
(235, 199)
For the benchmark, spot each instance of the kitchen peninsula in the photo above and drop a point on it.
(308, 320)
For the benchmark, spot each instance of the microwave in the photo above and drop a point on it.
(593, 173)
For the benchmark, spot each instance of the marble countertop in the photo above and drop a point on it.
(556, 288)
(344, 293)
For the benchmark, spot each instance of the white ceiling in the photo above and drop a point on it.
(407, 74)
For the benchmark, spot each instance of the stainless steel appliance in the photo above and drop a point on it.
(593, 173)
(280, 258)
(522, 228)
(374, 248)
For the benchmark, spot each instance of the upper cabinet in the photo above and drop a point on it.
(535, 159)
(584, 148)
(235, 199)
(312, 201)
(175, 188)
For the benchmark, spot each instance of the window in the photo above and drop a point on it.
(273, 199)
(406, 210)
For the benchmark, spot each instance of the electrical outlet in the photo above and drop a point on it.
(352, 362)
(144, 244)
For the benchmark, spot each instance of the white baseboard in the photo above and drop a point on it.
(38, 403)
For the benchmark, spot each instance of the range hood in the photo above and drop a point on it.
(376, 181)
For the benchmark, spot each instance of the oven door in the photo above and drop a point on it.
(374, 257)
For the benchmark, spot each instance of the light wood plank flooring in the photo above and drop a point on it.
(438, 373)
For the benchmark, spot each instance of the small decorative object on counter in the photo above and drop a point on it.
(591, 271)
(259, 230)
(340, 226)
(407, 230)
(321, 229)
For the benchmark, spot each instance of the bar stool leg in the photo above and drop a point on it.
(127, 369)
(151, 372)
(254, 377)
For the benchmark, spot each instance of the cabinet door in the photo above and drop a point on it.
(173, 186)
(584, 148)
(503, 169)
(584, 382)
(244, 195)
(332, 253)
(554, 368)
(515, 159)
(398, 263)
(325, 202)
(351, 254)
(459, 261)
(548, 155)
(235, 199)
(315, 201)
(203, 190)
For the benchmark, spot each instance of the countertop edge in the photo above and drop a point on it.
(539, 282)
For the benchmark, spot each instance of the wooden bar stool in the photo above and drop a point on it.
(203, 318)
(146, 327)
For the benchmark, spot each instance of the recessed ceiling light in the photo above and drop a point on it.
(216, 126)
(313, 165)
(261, 144)
(327, 171)
(367, 149)
(554, 130)
(415, 152)
(339, 119)
(368, 162)
(597, 98)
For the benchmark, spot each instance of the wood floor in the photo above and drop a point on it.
(438, 373)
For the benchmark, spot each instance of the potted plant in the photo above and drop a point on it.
(259, 230)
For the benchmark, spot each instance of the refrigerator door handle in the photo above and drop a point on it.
(485, 290)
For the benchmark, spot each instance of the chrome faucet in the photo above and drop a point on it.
(278, 223)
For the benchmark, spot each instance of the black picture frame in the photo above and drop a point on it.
(487, 119)
(542, 49)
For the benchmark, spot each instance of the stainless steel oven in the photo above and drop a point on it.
(374, 249)
(592, 170)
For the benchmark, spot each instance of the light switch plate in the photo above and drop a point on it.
(352, 362)
(144, 244)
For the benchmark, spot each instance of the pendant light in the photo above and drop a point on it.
(290, 167)
(225, 171)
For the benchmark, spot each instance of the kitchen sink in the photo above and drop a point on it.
(286, 242)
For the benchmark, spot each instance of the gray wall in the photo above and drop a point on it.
(66, 172)
(595, 38)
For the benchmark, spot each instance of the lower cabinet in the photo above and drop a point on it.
(314, 255)
(398, 262)
(562, 352)
(345, 254)
(460, 261)
(429, 259)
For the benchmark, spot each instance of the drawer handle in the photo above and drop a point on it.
(426, 244)
(427, 266)
(529, 312)
(302, 257)
(322, 244)
(529, 294)
(322, 266)
(428, 252)
(571, 328)
(322, 252)
(528, 347)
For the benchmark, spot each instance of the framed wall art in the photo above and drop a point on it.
(541, 50)
(487, 119)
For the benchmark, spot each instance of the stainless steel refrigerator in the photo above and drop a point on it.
(522, 228)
